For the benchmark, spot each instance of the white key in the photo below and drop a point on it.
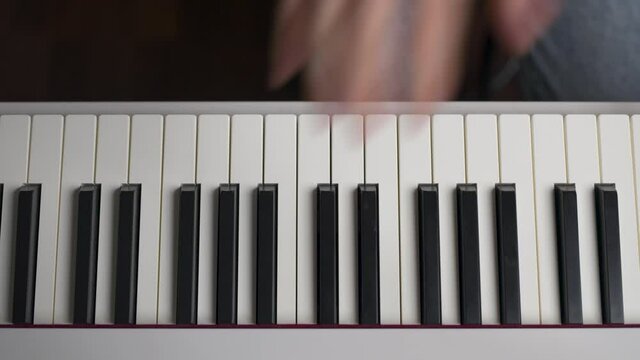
(212, 170)
(78, 156)
(583, 169)
(617, 167)
(14, 162)
(44, 168)
(635, 130)
(483, 170)
(280, 144)
(514, 132)
(112, 170)
(347, 170)
(246, 170)
(145, 167)
(313, 169)
(414, 164)
(448, 171)
(179, 168)
(549, 169)
(381, 167)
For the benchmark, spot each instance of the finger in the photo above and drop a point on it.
(367, 74)
(290, 44)
(328, 14)
(517, 24)
(352, 63)
(302, 26)
(439, 44)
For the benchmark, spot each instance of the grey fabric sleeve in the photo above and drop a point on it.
(591, 53)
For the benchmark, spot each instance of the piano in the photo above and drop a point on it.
(319, 230)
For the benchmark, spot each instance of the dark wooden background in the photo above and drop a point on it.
(88, 50)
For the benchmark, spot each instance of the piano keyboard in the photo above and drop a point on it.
(299, 215)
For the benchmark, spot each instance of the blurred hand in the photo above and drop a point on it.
(368, 50)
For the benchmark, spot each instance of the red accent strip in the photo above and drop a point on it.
(311, 326)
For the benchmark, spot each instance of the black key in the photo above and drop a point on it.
(568, 253)
(267, 254)
(368, 255)
(327, 254)
(26, 253)
(468, 254)
(88, 219)
(227, 294)
(609, 253)
(429, 247)
(127, 256)
(508, 268)
(188, 248)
